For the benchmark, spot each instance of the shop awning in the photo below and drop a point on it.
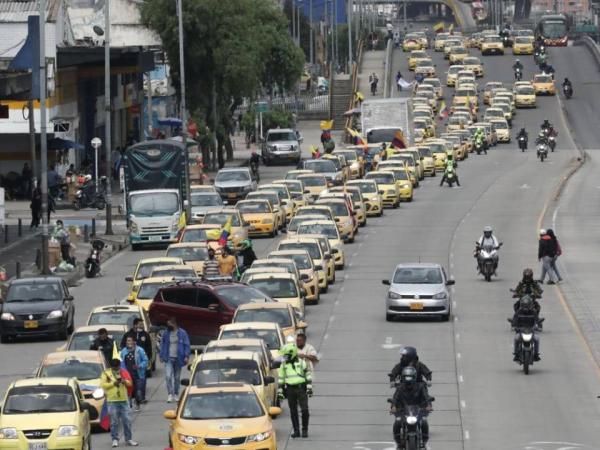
(64, 144)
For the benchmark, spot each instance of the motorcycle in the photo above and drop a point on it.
(552, 142)
(542, 151)
(92, 263)
(568, 91)
(518, 73)
(525, 349)
(450, 178)
(480, 147)
(411, 435)
(487, 259)
(522, 143)
(88, 197)
(254, 171)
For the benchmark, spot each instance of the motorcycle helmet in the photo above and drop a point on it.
(87, 178)
(487, 231)
(542, 232)
(528, 274)
(289, 351)
(542, 134)
(246, 243)
(517, 61)
(408, 355)
(408, 375)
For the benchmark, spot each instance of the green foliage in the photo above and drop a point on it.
(271, 119)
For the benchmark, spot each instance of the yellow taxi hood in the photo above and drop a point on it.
(51, 420)
(255, 216)
(224, 428)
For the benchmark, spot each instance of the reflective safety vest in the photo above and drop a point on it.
(294, 373)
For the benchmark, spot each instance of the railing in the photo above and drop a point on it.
(355, 72)
(591, 45)
(306, 102)
(387, 68)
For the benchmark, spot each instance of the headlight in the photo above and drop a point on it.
(190, 440)
(259, 437)
(55, 314)
(98, 394)
(133, 227)
(391, 192)
(411, 420)
(406, 186)
(67, 430)
(8, 433)
(393, 295)
(7, 316)
(439, 295)
(267, 221)
(527, 337)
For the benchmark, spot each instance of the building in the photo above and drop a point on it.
(576, 8)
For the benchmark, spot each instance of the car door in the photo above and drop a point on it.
(213, 313)
(68, 300)
(84, 418)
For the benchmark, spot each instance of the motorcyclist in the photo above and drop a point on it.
(567, 84)
(524, 317)
(254, 162)
(541, 139)
(547, 125)
(247, 254)
(523, 133)
(409, 393)
(479, 138)
(517, 65)
(450, 169)
(409, 358)
(528, 287)
(548, 69)
(486, 239)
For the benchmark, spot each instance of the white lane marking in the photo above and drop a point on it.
(463, 404)
(332, 318)
(354, 254)
(349, 264)
(451, 265)
(389, 345)
(458, 356)
(453, 301)
(326, 336)
(456, 318)
(457, 336)
(337, 302)
(360, 245)
(342, 289)
(525, 186)
(346, 275)
(467, 435)
(554, 214)
(461, 379)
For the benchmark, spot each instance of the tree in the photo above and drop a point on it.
(232, 48)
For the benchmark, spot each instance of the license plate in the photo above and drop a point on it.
(38, 446)
(155, 238)
(416, 306)
(232, 195)
(31, 324)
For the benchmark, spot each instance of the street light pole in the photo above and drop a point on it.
(405, 21)
(298, 22)
(310, 27)
(107, 122)
(294, 21)
(43, 141)
(349, 20)
(188, 206)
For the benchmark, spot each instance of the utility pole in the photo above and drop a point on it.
(405, 21)
(107, 123)
(332, 37)
(34, 168)
(335, 25)
(149, 101)
(294, 21)
(298, 22)
(43, 141)
(349, 20)
(188, 207)
(311, 32)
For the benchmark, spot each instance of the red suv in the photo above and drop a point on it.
(201, 307)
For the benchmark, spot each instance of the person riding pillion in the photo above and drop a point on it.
(295, 384)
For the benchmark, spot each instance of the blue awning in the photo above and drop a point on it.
(64, 144)
(170, 121)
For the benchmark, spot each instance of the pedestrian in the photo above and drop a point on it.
(116, 382)
(227, 263)
(51, 205)
(546, 253)
(103, 343)
(295, 384)
(36, 208)
(53, 182)
(398, 78)
(142, 339)
(550, 233)
(63, 237)
(134, 359)
(306, 351)
(210, 268)
(26, 176)
(174, 353)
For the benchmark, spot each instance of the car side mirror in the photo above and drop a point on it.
(70, 298)
(269, 380)
(450, 282)
(327, 257)
(170, 414)
(185, 381)
(246, 224)
(381, 192)
(129, 278)
(301, 324)
(303, 292)
(306, 191)
(318, 267)
(276, 364)
(386, 282)
(304, 277)
(274, 411)
(334, 251)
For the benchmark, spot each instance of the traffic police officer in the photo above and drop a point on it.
(295, 384)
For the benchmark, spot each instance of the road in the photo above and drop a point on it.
(483, 400)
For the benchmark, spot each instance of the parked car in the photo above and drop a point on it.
(281, 145)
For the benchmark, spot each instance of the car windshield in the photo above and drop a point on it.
(168, 273)
(329, 230)
(425, 152)
(221, 405)
(73, 368)
(281, 191)
(270, 336)
(221, 219)
(320, 166)
(279, 316)
(145, 269)
(271, 197)
(494, 113)
(148, 291)
(295, 187)
(313, 248)
(471, 61)
(500, 125)
(466, 93)
(276, 287)
(490, 86)
(434, 82)
(542, 79)
(194, 235)
(253, 207)
(39, 399)
(165, 203)
(424, 63)
(302, 261)
(492, 39)
(418, 275)
(525, 90)
(281, 136)
(366, 187)
(314, 181)
(206, 200)
(381, 178)
(453, 70)
(523, 40)
(338, 208)
(323, 212)
(288, 266)
(35, 292)
(239, 294)
(232, 175)
(349, 155)
(227, 371)
(399, 173)
(188, 253)
(83, 340)
(113, 318)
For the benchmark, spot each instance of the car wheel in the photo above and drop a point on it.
(4, 339)
(445, 317)
(153, 366)
(410, 199)
(325, 289)
(64, 334)
(71, 327)
(389, 317)
(274, 232)
(135, 247)
(149, 373)
(88, 445)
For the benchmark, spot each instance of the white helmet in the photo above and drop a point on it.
(88, 178)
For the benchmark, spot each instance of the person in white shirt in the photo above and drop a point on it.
(306, 351)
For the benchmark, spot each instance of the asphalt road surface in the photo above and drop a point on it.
(483, 400)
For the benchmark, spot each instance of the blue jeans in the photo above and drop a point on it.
(172, 376)
(139, 389)
(120, 412)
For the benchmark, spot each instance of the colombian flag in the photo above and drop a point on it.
(357, 136)
(326, 124)
(104, 418)
(399, 140)
(444, 111)
(225, 232)
(438, 27)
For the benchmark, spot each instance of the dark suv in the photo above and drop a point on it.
(37, 306)
(201, 307)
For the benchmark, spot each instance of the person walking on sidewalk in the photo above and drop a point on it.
(64, 239)
(36, 208)
(115, 382)
(142, 339)
(174, 353)
(550, 233)
(134, 359)
(546, 254)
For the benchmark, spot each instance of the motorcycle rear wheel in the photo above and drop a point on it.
(411, 443)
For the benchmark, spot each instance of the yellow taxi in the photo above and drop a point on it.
(388, 189)
(422, 112)
(502, 129)
(411, 42)
(493, 113)
(83, 337)
(340, 164)
(402, 177)
(314, 183)
(422, 37)
(276, 206)
(465, 96)
(281, 313)
(318, 256)
(488, 89)
(239, 229)
(294, 174)
(243, 367)
(261, 217)
(45, 413)
(198, 233)
(449, 45)
(436, 84)
(249, 344)
(297, 191)
(326, 249)
(458, 149)
(438, 151)
(452, 74)
(427, 160)
(358, 202)
(269, 332)
(457, 54)
(144, 269)
(174, 271)
(285, 197)
(283, 287)
(371, 197)
(416, 55)
(425, 124)
(474, 64)
(86, 366)
(440, 39)
(425, 67)
(410, 162)
(209, 417)
(309, 272)
(505, 107)
(356, 165)
(492, 45)
(456, 122)
(522, 45)
(543, 84)
(192, 253)
(146, 292)
(343, 216)
(328, 229)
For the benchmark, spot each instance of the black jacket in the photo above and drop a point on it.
(546, 247)
(142, 339)
(423, 372)
(414, 394)
(106, 347)
(248, 256)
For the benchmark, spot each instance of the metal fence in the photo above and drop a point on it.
(296, 104)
